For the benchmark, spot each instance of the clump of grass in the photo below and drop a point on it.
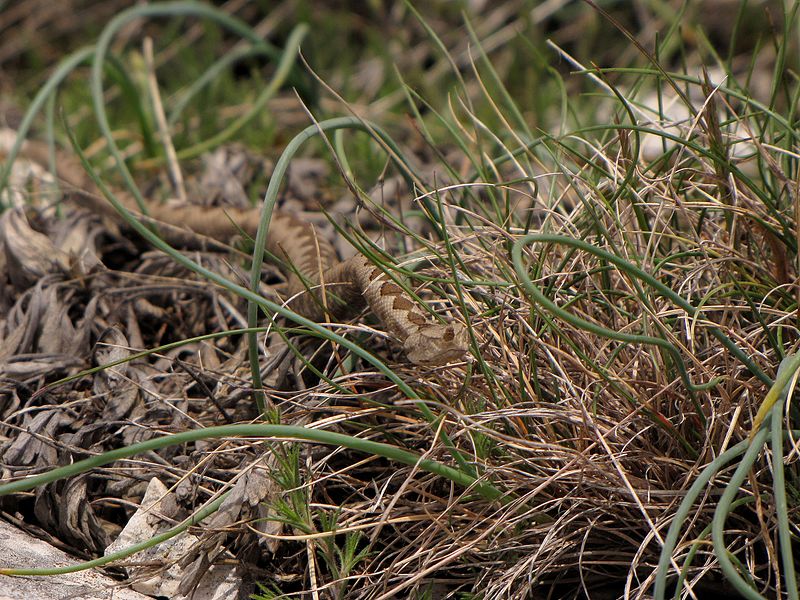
(644, 321)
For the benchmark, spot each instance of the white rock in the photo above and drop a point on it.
(18, 549)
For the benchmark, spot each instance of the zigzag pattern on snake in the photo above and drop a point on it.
(319, 281)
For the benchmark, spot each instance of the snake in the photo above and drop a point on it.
(320, 285)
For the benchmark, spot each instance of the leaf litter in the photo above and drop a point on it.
(64, 310)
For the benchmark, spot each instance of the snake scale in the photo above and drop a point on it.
(318, 282)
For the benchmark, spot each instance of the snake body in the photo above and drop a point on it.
(319, 284)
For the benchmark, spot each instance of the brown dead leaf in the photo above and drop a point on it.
(75, 518)
(32, 447)
(30, 255)
(118, 385)
(76, 236)
(306, 177)
(28, 368)
(58, 335)
(38, 333)
(18, 328)
(225, 174)
(247, 502)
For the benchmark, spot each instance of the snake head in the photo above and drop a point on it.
(434, 345)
